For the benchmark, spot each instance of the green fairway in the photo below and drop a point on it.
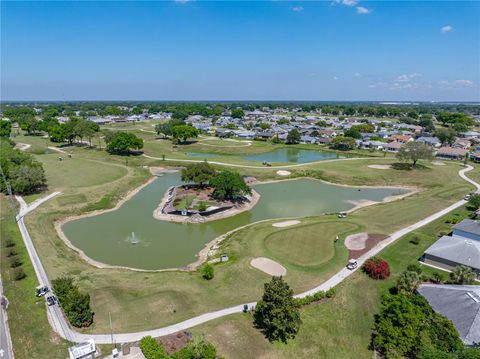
(78, 172)
(306, 245)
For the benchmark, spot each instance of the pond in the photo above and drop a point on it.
(284, 154)
(107, 237)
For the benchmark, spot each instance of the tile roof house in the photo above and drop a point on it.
(460, 304)
(451, 153)
(401, 138)
(461, 248)
(393, 146)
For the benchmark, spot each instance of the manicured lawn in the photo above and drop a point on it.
(78, 172)
(31, 334)
(307, 245)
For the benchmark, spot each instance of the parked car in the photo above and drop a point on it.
(352, 264)
(51, 300)
(40, 291)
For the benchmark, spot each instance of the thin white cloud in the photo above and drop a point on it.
(455, 84)
(345, 2)
(363, 10)
(463, 83)
(407, 77)
(357, 74)
(335, 78)
(446, 28)
(297, 8)
(182, 1)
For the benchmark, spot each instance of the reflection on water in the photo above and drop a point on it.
(161, 244)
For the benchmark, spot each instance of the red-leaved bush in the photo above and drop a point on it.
(376, 268)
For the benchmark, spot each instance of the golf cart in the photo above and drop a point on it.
(51, 300)
(352, 264)
(40, 291)
(342, 215)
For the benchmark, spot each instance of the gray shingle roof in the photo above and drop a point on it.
(457, 249)
(460, 304)
(469, 226)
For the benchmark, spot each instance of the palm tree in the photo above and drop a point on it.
(408, 282)
(463, 275)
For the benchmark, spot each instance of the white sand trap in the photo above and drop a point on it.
(23, 146)
(285, 224)
(284, 173)
(356, 241)
(438, 163)
(380, 167)
(268, 266)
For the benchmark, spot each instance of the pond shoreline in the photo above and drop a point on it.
(205, 252)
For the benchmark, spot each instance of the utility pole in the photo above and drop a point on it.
(111, 330)
(10, 194)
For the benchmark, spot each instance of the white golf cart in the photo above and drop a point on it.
(352, 264)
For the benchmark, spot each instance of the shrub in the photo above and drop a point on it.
(152, 349)
(202, 206)
(463, 275)
(11, 252)
(437, 277)
(330, 293)
(208, 271)
(377, 268)
(310, 298)
(19, 274)
(415, 240)
(15, 262)
(414, 268)
(9, 243)
(408, 282)
(197, 348)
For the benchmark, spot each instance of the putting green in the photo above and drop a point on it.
(308, 245)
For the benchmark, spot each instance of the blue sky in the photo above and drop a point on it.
(271, 50)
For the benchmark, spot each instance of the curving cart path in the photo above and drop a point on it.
(60, 325)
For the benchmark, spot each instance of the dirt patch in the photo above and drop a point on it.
(371, 241)
(380, 167)
(268, 266)
(284, 173)
(172, 343)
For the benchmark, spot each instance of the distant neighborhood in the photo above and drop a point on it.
(451, 135)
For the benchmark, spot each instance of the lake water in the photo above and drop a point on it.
(106, 237)
(284, 154)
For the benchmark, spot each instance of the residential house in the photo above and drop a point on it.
(428, 140)
(393, 146)
(400, 138)
(461, 248)
(460, 304)
(450, 153)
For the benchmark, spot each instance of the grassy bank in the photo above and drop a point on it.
(31, 334)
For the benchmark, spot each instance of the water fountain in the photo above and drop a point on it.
(133, 239)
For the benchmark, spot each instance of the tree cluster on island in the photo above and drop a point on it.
(227, 185)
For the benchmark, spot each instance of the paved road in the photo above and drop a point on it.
(5, 340)
(60, 325)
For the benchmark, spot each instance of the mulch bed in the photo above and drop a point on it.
(372, 241)
(172, 343)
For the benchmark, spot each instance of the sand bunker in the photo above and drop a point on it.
(380, 167)
(356, 241)
(284, 173)
(23, 146)
(268, 266)
(285, 224)
(438, 163)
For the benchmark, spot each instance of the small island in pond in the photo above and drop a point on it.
(208, 195)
